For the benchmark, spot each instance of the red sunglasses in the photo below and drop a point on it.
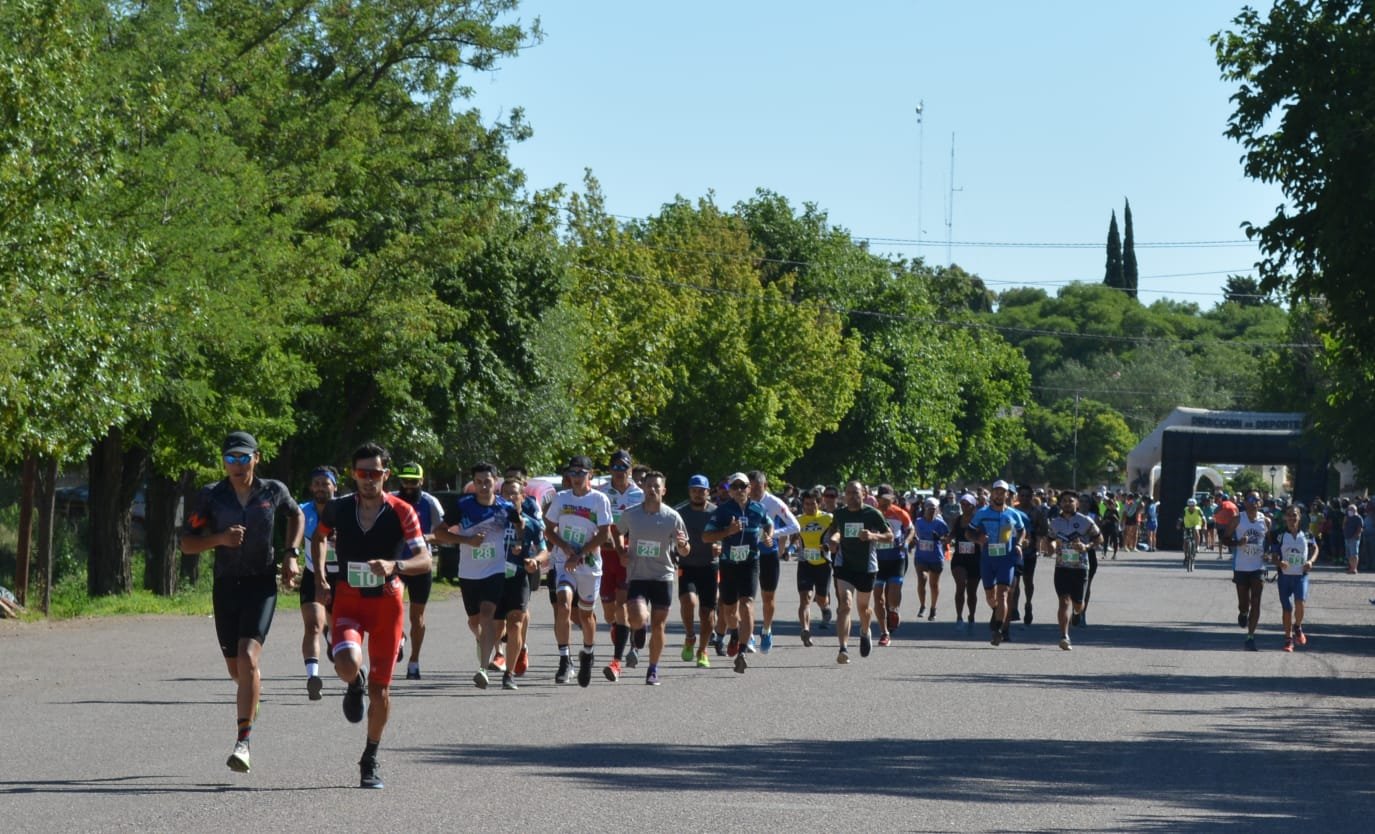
(368, 474)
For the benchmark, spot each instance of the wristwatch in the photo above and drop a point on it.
(293, 552)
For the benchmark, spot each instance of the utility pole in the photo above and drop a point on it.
(950, 205)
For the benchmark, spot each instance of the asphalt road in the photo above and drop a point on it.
(1157, 721)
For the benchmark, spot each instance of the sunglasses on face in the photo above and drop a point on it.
(739, 486)
(239, 459)
(576, 473)
(368, 474)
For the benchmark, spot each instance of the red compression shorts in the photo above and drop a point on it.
(379, 617)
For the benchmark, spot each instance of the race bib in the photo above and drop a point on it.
(331, 559)
(1252, 551)
(1070, 557)
(648, 549)
(738, 553)
(852, 529)
(1294, 557)
(510, 570)
(965, 548)
(996, 550)
(813, 555)
(484, 552)
(361, 576)
(575, 536)
(593, 561)
(926, 545)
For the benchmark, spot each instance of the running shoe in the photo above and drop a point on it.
(498, 663)
(688, 651)
(1251, 643)
(1083, 618)
(1288, 645)
(1242, 617)
(702, 661)
(508, 682)
(480, 679)
(895, 619)
(585, 659)
(652, 677)
(865, 644)
(632, 658)
(920, 610)
(930, 617)
(565, 667)
(353, 698)
(238, 760)
(806, 636)
(1064, 644)
(1026, 617)
(1299, 636)
(826, 617)
(733, 648)
(522, 662)
(885, 640)
(749, 645)
(740, 664)
(843, 657)
(997, 638)
(766, 642)
(313, 687)
(715, 643)
(413, 673)
(369, 776)
(613, 671)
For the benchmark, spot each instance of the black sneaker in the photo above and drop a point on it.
(313, 687)
(1242, 617)
(1007, 635)
(632, 658)
(718, 644)
(865, 645)
(413, 674)
(1026, 618)
(369, 776)
(353, 698)
(1074, 619)
(825, 617)
(585, 659)
(565, 667)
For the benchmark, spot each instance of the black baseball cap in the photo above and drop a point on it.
(238, 443)
(579, 462)
(620, 458)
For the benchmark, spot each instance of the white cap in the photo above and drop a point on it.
(931, 502)
(1192, 502)
(968, 498)
(738, 476)
(1001, 485)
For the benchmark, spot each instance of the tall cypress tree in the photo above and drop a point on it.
(1129, 274)
(1113, 274)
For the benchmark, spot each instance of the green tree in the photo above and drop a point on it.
(1304, 113)
(1244, 292)
(1130, 275)
(1112, 272)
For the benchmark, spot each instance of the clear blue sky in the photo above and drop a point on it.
(1059, 109)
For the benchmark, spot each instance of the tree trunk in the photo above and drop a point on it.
(190, 563)
(115, 475)
(163, 517)
(21, 568)
(47, 509)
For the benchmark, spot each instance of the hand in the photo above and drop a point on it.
(532, 566)
(865, 535)
(323, 594)
(378, 567)
(477, 539)
(767, 541)
(289, 573)
(715, 549)
(233, 537)
(735, 525)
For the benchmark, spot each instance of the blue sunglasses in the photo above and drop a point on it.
(239, 459)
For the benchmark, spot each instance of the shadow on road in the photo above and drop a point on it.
(1190, 777)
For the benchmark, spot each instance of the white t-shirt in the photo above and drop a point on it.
(577, 519)
(1250, 555)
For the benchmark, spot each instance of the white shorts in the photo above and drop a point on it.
(584, 582)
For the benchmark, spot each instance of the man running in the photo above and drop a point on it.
(998, 530)
(577, 524)
(1072, 535)
(784, 525)
(858, 530)
(623, 493)
(813, 565)
(656, 540)
(697, 575)
(1036, 514)
(1297, 552)
(369, 527)
(483, 526)
(324, 483)
(431, 513)
(740, 526)
(932, 535)
(1247, 535)
(235, 516)
(892, 565)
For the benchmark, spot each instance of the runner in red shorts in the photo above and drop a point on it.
(369, 528)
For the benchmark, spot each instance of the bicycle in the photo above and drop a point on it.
(1190, 549)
